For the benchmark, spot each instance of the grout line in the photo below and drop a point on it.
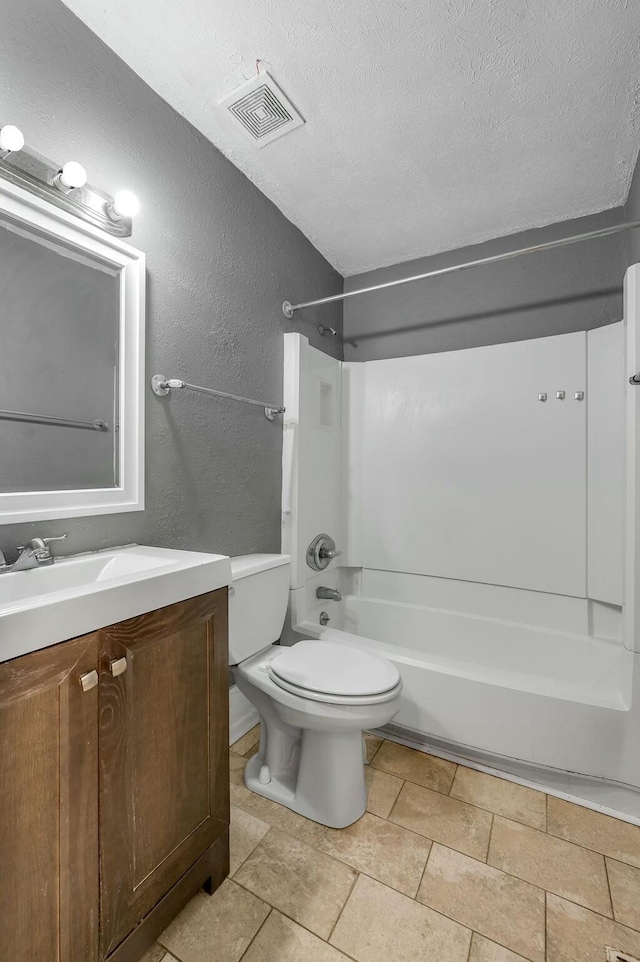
(540, 788)
(277, 908)
(470, 945)
(606, 872)
(424, 872)
(257, 933)
(376, 752)
(519, 879)
(465, 854)
(247, 857)
(455, 798)
(493, 821)
(433, 842)
(173, 954)
(546, 813)
(559, 838)
(546, 894)
(333, 927)
(455, 772)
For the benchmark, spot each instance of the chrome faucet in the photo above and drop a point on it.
(35, 554)
(328, 594)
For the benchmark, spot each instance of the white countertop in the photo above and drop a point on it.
(76, 595)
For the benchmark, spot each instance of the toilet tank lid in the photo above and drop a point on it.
(250, 564)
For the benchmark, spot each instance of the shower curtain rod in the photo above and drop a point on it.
(288, 309)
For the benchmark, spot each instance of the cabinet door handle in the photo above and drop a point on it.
(89, 681)
(118, 666)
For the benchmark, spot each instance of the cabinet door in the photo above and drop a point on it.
(49, 804)
(164, 722)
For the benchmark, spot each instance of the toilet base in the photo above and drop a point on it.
(330, 786)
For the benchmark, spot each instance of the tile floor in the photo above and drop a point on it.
(447, 865)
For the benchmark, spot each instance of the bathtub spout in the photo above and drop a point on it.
(328, 594)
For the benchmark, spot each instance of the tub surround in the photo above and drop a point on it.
(482, 542)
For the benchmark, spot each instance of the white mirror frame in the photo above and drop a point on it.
(28, 211)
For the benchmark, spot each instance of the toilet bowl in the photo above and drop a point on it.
(314, 699)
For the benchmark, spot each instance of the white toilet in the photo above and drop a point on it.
(314, 700)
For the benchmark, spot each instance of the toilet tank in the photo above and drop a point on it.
(257, 603)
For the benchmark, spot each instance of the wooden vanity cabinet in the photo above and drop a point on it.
(49, 804)
(114, 800)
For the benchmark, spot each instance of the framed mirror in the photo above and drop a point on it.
(71, 365)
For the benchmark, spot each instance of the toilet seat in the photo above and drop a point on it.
(335, 674)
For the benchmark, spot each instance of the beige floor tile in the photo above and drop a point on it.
(568, 870)
(216, 928)
(624, 881)
(443, 819)
(381, 925)
(484, 950)
(426, 770)
(305, 884)
(381, 849)
(156, 954)
(500, 796)
(245, 833)
(382, 791)
(281, 940)
(601, 833)
(575, 934)
(372, 744)
(239, 791)
(505, 909)
(283, 818)
(248, 742)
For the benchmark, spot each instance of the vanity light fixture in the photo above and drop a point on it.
(11, 140)
(124, 204)
(70, 176)
(65, 186)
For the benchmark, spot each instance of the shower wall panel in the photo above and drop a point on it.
(467, 474)
(606, 387)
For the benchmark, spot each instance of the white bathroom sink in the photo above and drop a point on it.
(77, 595)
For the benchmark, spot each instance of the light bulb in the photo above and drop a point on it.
(11, 139)
(72, 175)
(125, 204)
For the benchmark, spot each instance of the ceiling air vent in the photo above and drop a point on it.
(262, 110)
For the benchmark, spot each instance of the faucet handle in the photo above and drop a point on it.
(329, 553)
(39, 543)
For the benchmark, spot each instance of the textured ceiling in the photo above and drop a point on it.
(431, 124)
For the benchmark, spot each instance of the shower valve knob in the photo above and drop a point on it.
(321, 552)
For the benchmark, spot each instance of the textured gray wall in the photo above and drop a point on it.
(221, 259)
(632, 212)
(570, 289)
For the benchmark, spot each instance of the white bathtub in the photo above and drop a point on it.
(508, 690)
